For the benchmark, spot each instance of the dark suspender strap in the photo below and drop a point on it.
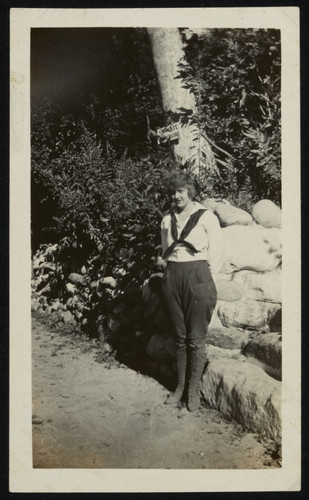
(192, 222)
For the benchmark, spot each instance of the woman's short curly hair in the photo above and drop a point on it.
(179, 179)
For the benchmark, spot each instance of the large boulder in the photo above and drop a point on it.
(247, 314)
(266, 213)
(265, 350)
(213, 352)
(263, 286)
(245, 393)
(229, 290)
(251, 247)
(227, 338)
(229, 215)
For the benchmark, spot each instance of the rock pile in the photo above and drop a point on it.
(243, 371)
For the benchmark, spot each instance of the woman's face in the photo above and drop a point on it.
(181, 198)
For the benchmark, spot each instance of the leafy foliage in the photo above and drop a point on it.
(105, 205)
(235, 77)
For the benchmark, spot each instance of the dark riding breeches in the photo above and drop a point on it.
(190, 296)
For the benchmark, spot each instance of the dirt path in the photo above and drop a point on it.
(88, 414)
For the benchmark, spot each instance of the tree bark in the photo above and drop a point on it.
(193, 150)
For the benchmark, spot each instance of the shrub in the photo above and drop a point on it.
(106, 206)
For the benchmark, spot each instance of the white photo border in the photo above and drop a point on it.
(23, 477)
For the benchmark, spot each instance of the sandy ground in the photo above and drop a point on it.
(91, 413)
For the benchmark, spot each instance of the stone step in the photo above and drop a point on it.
(245, 393)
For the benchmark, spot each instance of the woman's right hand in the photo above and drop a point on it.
(161, 263)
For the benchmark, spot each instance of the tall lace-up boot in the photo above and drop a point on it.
(181, 364)
(196, 367)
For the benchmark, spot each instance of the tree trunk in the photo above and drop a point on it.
(193, 149)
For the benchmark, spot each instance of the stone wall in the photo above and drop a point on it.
(243, 350)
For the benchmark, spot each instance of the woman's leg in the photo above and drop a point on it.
(181, 366)
(196, 367)
(199, 300)
(172, 296)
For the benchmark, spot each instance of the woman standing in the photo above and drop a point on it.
(192, 248)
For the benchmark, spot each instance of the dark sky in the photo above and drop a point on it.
(68, 61)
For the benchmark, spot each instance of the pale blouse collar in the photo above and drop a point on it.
(195, 207)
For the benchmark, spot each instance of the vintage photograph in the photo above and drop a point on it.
(153, 242)
(156, 247)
